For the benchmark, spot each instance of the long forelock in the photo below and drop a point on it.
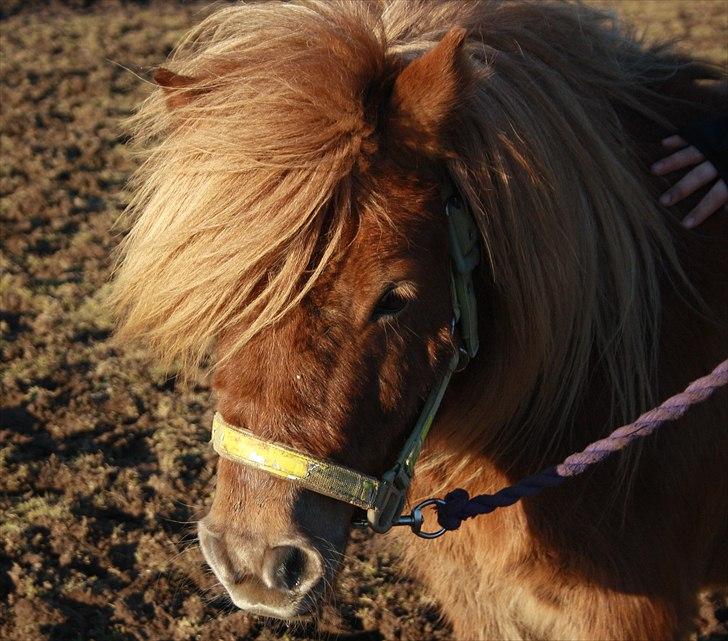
(244, 197)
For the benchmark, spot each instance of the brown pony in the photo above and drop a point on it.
(289, 223)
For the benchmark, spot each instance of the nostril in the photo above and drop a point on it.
(285, 567)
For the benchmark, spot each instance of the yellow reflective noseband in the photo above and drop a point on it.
(384, 498)
(324, 477)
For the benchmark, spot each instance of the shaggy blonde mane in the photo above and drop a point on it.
(245, 197)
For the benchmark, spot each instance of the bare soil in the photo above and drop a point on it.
(105, 461)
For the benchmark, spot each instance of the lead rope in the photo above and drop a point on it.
(458, 506)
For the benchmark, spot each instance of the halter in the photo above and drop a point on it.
(383, 498)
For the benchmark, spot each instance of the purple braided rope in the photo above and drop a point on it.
(672, 409)
(458, 506)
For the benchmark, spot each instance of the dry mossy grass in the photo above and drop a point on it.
(105, 462)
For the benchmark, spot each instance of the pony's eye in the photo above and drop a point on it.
(390, 303)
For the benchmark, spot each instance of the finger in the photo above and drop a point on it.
(678, 160)
(673, 142)
(690, 182)
(716, 198)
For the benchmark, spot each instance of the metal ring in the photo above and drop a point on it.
(418, 519)
(463, 359)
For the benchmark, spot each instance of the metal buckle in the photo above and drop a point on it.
(390, 500)
(465, 256)
(464, 240)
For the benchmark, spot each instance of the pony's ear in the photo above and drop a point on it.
(428, 91)
(178, 89)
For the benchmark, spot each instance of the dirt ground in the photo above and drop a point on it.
(105, 464)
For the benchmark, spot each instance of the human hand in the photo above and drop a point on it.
(702, 173)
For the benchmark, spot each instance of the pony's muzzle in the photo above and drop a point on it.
(272, 580)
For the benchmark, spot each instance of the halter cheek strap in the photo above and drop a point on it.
(382, 498)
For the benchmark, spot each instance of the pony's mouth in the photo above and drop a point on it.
(300, 609)
(255, 598)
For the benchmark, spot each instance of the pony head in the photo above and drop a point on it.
(290, 223)
(301, 226)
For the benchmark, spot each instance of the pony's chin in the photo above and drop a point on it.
(293, 614)
(298, 609)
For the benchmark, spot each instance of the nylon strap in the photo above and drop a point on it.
(338, 482)
(384, 498)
